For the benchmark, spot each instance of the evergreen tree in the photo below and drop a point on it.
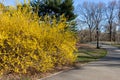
(67, 8)
(54, 7)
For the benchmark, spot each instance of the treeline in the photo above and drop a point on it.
(99, 21)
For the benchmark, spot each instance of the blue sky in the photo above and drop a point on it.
(11, 2)
(76, 2)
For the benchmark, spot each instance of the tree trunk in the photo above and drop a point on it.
(97, 35)
(110, 33)
(114, 36)
(90, 36)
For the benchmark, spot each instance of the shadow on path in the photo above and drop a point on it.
(112, 59)
(107, 68)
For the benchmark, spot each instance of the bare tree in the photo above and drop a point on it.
(98, 12)
(85, 14)
(110, 15)
(118, 12)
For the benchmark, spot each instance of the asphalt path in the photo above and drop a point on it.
(107, 68)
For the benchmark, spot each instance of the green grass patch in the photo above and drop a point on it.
(89, 53)
(116, 45)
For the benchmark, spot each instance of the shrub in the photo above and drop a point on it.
(26, 42)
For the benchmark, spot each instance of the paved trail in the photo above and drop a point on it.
(107, 68)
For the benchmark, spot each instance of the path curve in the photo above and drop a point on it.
(107, 68)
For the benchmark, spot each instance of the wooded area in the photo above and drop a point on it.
(99, 21)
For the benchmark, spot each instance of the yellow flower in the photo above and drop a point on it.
(30, 41)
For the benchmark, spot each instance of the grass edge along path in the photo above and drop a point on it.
(88, 53)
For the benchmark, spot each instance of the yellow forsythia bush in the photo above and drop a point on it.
(26, 42)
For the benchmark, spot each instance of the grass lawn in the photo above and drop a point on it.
(87, 53)
(116, 45)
